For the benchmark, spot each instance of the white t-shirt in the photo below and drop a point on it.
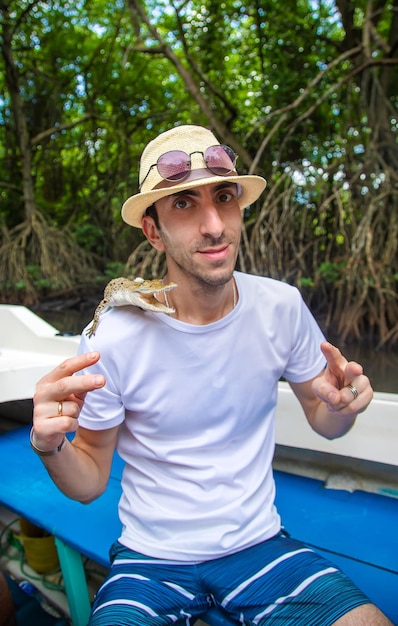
(197, 408)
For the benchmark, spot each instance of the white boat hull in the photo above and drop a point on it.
(29, 348)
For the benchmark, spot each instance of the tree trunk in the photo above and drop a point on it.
(21, 127)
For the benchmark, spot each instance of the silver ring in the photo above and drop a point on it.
(354, 391)
(60, 407)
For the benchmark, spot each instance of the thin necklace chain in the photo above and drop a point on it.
(234, 293)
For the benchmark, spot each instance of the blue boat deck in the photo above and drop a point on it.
(358, 530)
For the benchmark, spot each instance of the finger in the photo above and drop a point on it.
(70, 408)
(322, 388)
(344, 400)
(341, 401)
(335, 360)
(70, 366)
(49, 433)
(333, 396)
(332, 354)
(352, 370)
(327, 392)
(338, 366)
(53, 419)
(70, 387)
(358, 393)
(51, 409)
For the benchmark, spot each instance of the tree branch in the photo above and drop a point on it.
(57, 129)
(219, 127)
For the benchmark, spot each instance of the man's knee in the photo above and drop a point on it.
(364, 615)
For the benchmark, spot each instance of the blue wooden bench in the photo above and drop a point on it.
(356, 530)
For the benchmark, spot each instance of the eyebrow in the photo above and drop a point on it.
(194, 191)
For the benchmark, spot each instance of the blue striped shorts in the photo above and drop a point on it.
(278, 582)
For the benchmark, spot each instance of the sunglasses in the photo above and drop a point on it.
(175, 165)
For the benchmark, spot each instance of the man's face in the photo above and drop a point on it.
(200, 232)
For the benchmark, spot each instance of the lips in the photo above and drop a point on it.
(215, 253)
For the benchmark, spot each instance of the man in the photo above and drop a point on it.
(189, 400)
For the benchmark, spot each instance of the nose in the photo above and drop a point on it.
(211, 222)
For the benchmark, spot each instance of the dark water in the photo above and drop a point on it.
(380, 365)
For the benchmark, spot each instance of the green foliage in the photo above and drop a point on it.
(329, 273)
(36, 279)
(332, 272)
(306, 282)
(114, 269)
(88, 236)
(307, 90)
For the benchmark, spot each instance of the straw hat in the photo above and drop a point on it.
(190, 139)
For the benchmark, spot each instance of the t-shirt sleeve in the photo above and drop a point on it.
(102, 408)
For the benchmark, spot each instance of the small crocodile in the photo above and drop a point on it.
(137, 292)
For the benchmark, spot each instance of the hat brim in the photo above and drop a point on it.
(135, 206)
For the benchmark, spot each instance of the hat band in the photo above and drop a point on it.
(175, 165)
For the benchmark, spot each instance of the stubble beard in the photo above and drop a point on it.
(204, 279)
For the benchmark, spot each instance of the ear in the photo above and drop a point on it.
(151, 233)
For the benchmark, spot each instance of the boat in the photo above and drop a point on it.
(29, 348)
(366, 458)
(340, 496)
